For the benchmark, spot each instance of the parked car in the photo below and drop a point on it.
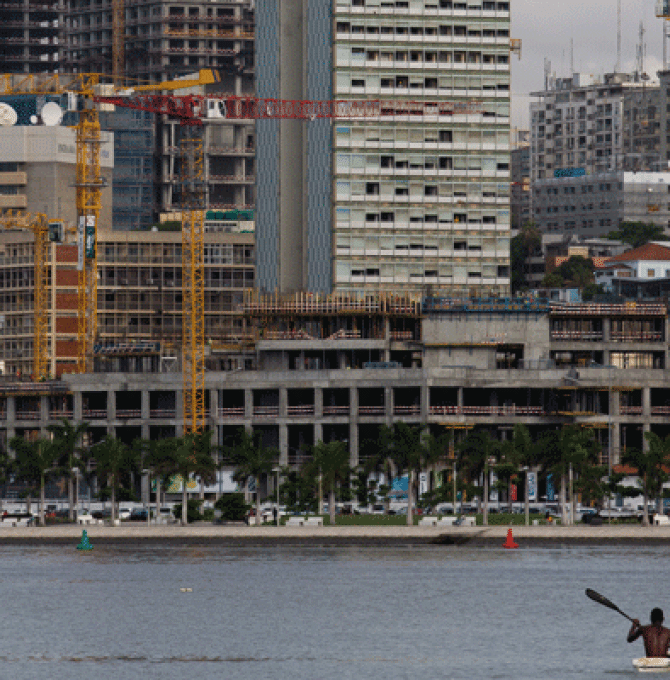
(138, 515)
(102, 514)
(124, 513)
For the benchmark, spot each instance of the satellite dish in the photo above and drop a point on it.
(33, 120)
(52, 114)
(8, 116)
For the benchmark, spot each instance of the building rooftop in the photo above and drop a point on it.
(649, 251)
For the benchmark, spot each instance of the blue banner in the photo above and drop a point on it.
(551, 496)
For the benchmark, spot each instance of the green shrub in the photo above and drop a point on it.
(208, 514)
(232, 507)
(192, 510)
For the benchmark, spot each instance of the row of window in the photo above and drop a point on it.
(421, 5)
(397, 136)
(400, 27)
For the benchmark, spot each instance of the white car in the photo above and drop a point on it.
(124, 513)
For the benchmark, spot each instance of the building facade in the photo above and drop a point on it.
(596, 126)
(342, 368)
(414, 201)
(162, 40)
(31, 36)
(520, 203)
(589, 206)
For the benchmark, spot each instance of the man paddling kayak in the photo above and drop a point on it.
(656, 637)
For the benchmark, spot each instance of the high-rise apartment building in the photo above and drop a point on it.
(587, 125)
(29, 35)
(161, 39)
(165, 41)
(400, 201)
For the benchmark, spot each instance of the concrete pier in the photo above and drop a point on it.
(373, 535)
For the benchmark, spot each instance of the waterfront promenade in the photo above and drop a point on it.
(209, 533)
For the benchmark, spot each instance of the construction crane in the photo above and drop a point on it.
(88, 186)
(40, 226)
(192, 110)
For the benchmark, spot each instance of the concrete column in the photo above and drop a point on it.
(77, 407)
(179, 415)
(146, 430)
(283, 444)
(44, 409)
(607, 332)
(145, 406)
(283, 402)
(459, 398)
(248, 404)
(213, 408)
(616, 443)
(353, 404)
(318, 402)
(646, 402)
(318, 432)
(111, 406)
(388, 405)
(425, 402)
(353, 444)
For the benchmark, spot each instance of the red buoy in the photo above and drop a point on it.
(509, 543)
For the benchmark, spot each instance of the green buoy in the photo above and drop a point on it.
(85, 543)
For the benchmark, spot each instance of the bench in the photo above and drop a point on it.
(446, 521)
(295, 522)
(428, 522)
(314, 521)
(661, 520)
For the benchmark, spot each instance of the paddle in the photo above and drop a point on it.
(597, 597)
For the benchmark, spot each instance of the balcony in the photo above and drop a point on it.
(162, 413)
(236, 412)
(266, 411)
(487, 411)
(371, 410)
(413, 410)
(127, 413)
(335, 410)
(94, 414)
(297, 411)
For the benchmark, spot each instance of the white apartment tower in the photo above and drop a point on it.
(407, 202)
(423, 201)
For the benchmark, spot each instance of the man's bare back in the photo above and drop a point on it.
(656, 637)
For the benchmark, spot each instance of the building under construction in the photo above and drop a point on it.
(339, 368)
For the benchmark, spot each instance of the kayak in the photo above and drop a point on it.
(651, 664)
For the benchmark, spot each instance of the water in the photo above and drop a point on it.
(316, 613)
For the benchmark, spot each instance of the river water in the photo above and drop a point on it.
(316, 613)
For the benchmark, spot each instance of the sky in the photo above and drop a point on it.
(546, 27)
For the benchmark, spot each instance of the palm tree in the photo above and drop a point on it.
(331, 462)
(203, 442)
(474, 454)
(66, 438)
(186, 456)
(113, 457)
(515, 453)
(382, 461)
(34, 461)
(411, 455)
(251, 460)
(651, 468)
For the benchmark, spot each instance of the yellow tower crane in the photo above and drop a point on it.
(89, 183)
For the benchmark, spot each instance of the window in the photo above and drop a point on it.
(651, 273)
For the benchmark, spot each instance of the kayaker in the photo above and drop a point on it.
(656, 636)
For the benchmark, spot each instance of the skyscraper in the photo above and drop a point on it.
(400, 201)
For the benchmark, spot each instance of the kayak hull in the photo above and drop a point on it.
(650, 664)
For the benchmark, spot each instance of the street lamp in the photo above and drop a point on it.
(147, 472)
(75, 472)
(277, 470)
(527, 496)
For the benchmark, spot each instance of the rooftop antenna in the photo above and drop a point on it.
(618, 38)
(572, 56)
(640, 52)
(547, 72)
